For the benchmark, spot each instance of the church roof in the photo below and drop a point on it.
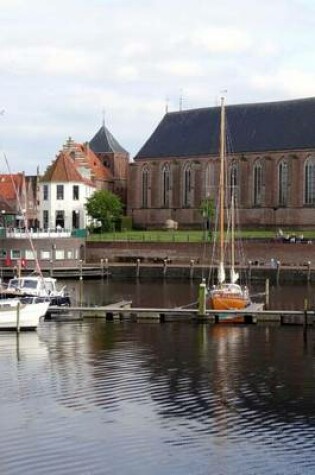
(257, 127)
(104, 142)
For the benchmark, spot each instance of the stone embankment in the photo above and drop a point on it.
(274, 260)
(267, 252)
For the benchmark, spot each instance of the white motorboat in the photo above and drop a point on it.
(36, 286)
(22, 313)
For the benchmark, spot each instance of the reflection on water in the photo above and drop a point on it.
(174, 293)
(126, 398)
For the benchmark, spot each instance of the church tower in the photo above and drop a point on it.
(114, 157)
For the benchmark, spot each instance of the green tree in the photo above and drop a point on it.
(207, 210)
(105, 207)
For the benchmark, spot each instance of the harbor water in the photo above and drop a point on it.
(97, 397)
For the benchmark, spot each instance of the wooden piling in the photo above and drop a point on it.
(164, 267)
(249, 270)
(305, 321)
(308, 271)
(267, 294)
(138, 268)
(202, 299)
(278, 272)
(18, 317)
(191, 272)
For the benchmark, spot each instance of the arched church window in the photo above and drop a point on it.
(209, 180)
(187, 185)
(234, 181)
(309, 181)
(145, 186)
(166, 185)
(258, 183)
(283, 183)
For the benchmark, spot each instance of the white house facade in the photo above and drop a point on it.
(67, 185)
(62, 205)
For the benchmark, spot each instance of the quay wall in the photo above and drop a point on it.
(258, 252)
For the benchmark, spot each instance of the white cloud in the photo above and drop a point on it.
(61, 63)
(291, 82)
(221, 40)
(180, 68)
(46, 60)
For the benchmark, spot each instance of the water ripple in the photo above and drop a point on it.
(99, 398)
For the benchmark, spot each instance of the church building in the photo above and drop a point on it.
(270, 163)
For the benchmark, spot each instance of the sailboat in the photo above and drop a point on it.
(227, 294)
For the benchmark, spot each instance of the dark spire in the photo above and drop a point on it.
(104, 142)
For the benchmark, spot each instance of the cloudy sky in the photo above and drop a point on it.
(63, 62)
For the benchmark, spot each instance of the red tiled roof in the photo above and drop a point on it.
(10, 185)
(99, 170)
(66, 167)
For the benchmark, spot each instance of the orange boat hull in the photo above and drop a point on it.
(224, 301)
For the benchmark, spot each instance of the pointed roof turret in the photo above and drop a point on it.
(104, 142)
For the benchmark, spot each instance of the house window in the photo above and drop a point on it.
(166, 185)
(45, 219)
(258, 183)
(45, 192)
(309, 181)
(30, 255)
(45, 254)
(283, 185)
(60, 219)
(59, 254)
(15, 254)
(75, 219)
(59, 192)
(187, 185)
(145, 187)
(75, 192)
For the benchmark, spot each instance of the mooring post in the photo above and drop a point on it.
(250, 270)
(106, 267)
(191, 274)
(202, 299)
(308, 271)
(102, 267)
(278, 271)
(164, 267)
(305, 322)
(138, 268)
(267, 294)
(81, 283)
(18, 317)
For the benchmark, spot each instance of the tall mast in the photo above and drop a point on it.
(222, 181)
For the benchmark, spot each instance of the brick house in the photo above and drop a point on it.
(271, 162)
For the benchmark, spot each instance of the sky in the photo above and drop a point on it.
(65, 66)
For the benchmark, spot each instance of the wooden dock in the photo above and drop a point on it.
(255, 314)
